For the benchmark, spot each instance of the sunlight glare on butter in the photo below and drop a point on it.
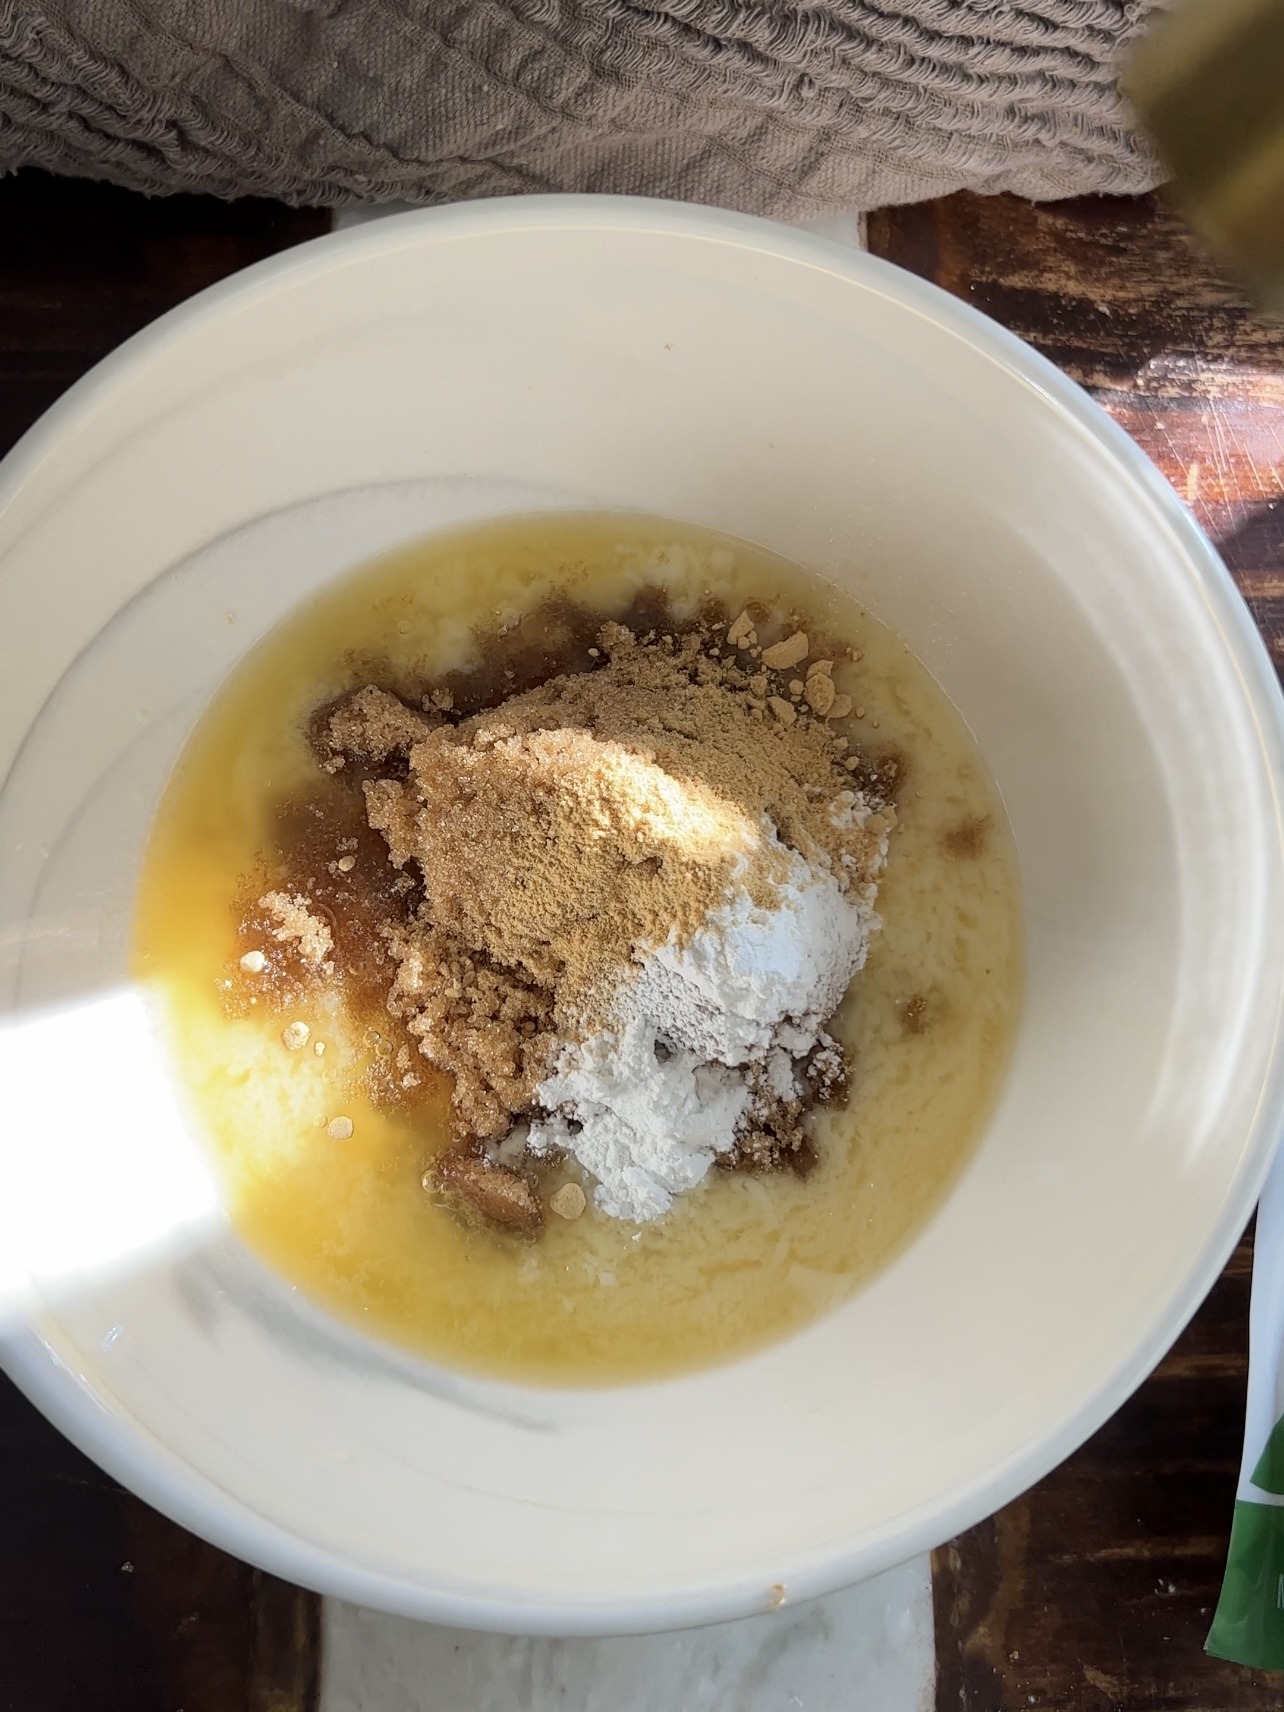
(99, 1172)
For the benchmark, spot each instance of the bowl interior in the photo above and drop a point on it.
(436, 368)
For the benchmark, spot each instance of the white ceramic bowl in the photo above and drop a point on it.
(521, 354)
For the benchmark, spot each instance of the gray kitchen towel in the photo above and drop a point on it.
(792, 110)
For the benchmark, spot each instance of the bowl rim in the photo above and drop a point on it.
(130, 1453)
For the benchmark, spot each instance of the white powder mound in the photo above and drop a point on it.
(647, 1103)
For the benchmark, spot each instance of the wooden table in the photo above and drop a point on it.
(1094, 1591)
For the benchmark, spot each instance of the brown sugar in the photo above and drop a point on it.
(556, 834)
(372, 726)
(556, 852)
(295, 924)
(777, 1133)
(500, 1196)
(489, 1027)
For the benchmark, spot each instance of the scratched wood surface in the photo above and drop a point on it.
(1094, 1592)
(104, 1605)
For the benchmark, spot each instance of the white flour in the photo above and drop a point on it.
(646, 1104)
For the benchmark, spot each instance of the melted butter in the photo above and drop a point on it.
(741, 1261)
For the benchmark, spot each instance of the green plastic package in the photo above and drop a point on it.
(1248, 1627)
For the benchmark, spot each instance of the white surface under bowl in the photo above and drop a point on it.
(522, 354)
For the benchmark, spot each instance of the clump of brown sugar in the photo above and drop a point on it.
(295, 924)
(776, 1131)
(371, 726)
(500, 1196)
(601, 812)
(488, 1027)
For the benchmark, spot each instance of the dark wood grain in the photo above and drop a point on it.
(82, 266)
(1114, 292)
(1094, 1592)
(104, 1605)
(107, 1607)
